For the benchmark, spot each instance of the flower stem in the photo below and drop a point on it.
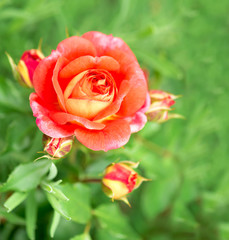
(88, 180)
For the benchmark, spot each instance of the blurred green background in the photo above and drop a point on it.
(184, 45)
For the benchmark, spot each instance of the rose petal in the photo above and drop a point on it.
(72, 84)
(114, 135)
(77, 66)
(59, 64)
(81, 64)
(85, 108)
(137, 94)
(114, 47)
(107, 63)
(45, 124)
(64, 118)
(74, 47)
(42, 79)
(146, 105)
(115, 106)
(106, 43)
(137, 122)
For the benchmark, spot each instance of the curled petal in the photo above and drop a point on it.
(42, 79)
(85, 108)
(74, 47)
(77, 66)
(45, 124)
(107, 43)
(115, 106)
(64, 118)
(137, 122)
(59, 64)
(114, 135)
(83, 63)
(137, 93)
(107, 63)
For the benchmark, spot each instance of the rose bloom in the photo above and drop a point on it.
(91, 87)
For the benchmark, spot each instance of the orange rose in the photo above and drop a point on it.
(91, 87)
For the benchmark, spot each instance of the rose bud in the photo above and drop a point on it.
(120, 179)
(57, 147)
(161, 103)
(23, 72)
(27, 65)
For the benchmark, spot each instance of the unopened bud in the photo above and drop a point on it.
(28, 62)
(161, 103)
(120, 179)
(27, 65)
(57, 147)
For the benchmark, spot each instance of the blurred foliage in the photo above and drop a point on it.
(183, 44)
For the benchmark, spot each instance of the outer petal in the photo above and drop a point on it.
(45, 124)
(59, 64)
(138, 121)
(137, 94)
(77, 66)
(106, 43)
(42, 78)
(64, 118)
(75, 47)
(83, 63)
(146, 105)
(114, 135)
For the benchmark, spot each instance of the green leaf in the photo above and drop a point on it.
(11, 217)
(53, 189)
(14, 200)
(54, 224)
(84, 236)
(52, 172)
(31, 215)
(78, 206)
(26, 177)
(57, 206)
(111, 219)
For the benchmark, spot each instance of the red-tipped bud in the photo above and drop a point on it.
(120, 179)
(161, 103)
(28, 62)
(27, 65)
(57, 147)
